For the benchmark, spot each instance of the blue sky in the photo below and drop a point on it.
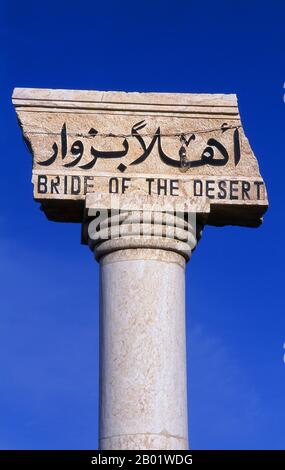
(235, 279)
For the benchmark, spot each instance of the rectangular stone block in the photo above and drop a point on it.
(137, 145)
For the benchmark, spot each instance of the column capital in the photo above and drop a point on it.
(137, 230)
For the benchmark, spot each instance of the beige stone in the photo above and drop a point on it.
(143, 385)
(140, 144)
(143, 173)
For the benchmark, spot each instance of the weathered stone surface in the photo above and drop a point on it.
(156, 160)
(143, 380)
(186, 146)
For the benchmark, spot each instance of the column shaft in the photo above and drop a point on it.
(143, 390)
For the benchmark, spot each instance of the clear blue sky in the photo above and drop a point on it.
(235, 280)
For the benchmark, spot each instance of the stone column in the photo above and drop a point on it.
(154, 154)
(143, 386)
